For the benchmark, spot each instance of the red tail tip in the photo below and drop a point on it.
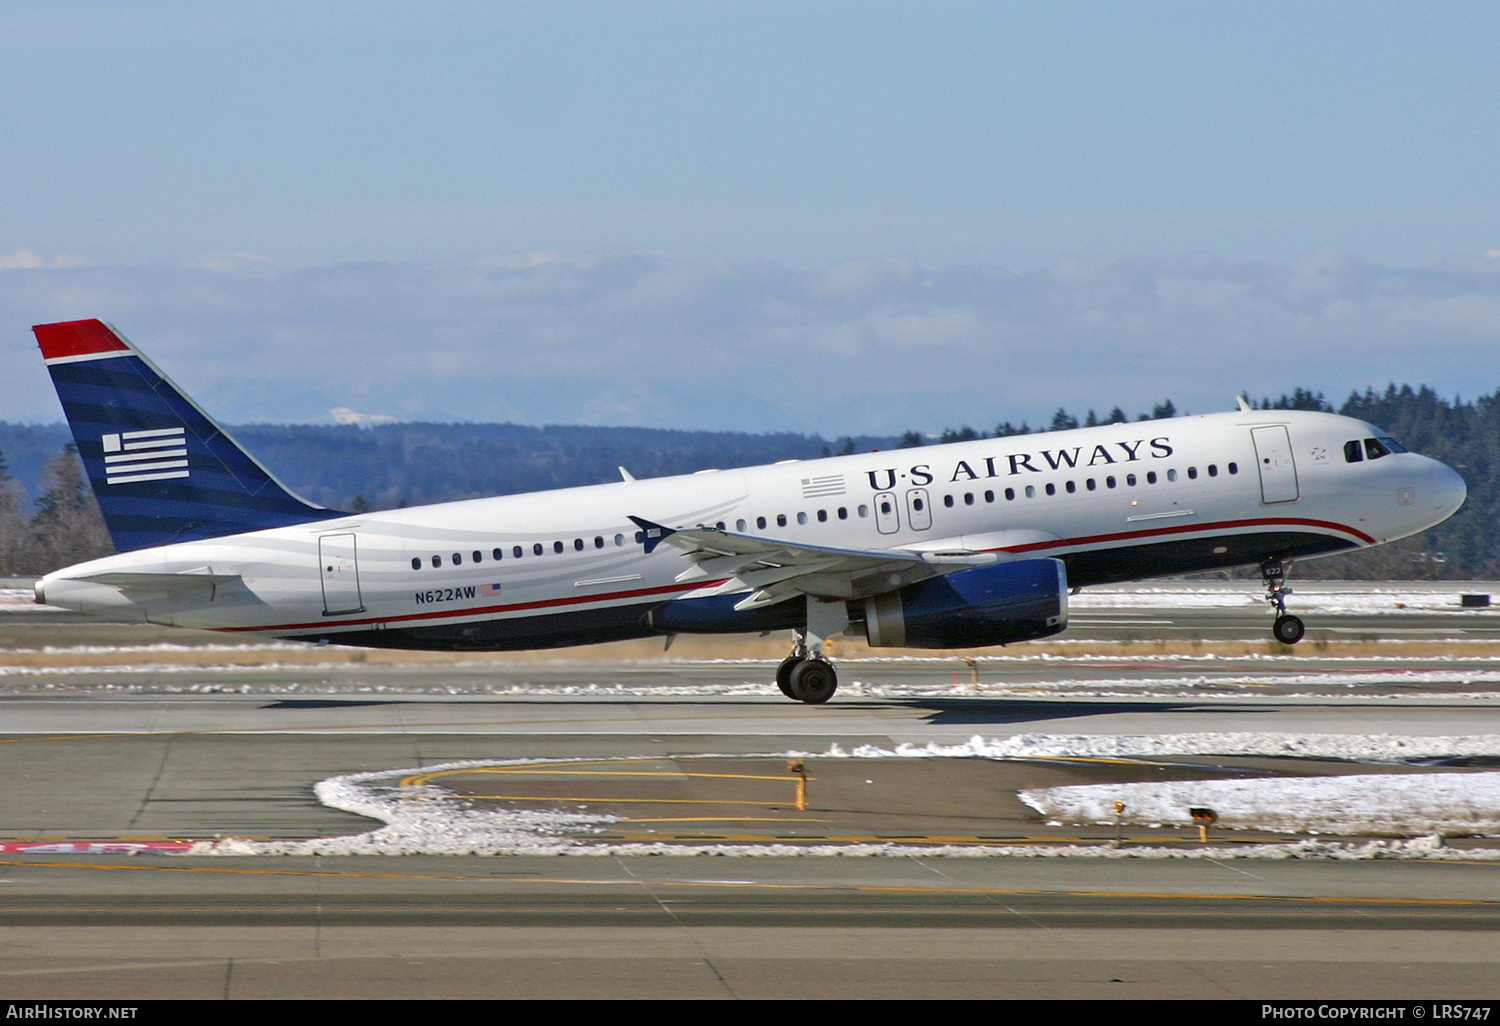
(77, 338)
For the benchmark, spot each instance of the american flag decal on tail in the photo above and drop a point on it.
(145, 455)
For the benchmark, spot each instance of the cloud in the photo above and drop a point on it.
(875, 345)
(29, 260)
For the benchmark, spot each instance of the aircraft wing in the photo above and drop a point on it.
(774, 569)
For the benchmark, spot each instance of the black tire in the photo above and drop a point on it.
(1288, 629)
(814, 681)
(784, 676)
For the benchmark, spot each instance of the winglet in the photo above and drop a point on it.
(1243, 403)
(626, 475)
(654, 534)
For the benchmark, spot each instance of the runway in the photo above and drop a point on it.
(696, 755)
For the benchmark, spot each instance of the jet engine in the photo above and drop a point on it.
(988, 605)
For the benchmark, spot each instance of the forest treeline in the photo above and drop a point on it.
(48, 517)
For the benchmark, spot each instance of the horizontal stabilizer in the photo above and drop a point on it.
(162, 584)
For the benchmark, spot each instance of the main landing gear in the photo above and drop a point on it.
(806, 677)
(1286, 628)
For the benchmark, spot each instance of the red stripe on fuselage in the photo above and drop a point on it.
(457, 614)
(1222, 525)
(76, 338)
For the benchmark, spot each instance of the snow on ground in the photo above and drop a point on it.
(1383, 748)
(1394, 804)
(427, 820)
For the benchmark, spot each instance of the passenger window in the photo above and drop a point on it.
(1109, 482)
(1151, 477)
(457, 559)
(781, 520)
(1010, 495)
(498, 553)
(516, 551)
(1234, 468)
(1030, 491)
(437, 561)
(919, 505)
(1089, 484)
(739, 525)
(843, 513)
(1192, 473)
(557, 547)
(1171, 475)
(968, 498)
(577, 544)
(416, 562)
(864, 511)
(537, 549)
(1051, 488)
(619, 540)
(640, 537)
(599, 541)
(989, 496)
(478, 556)
(760, 522)
(822, 516)
(801, 518)
(1374, 449)
(1353, 453)
(1213, 470)
(1130, 480)
(948, 501)
(885, 507)
(1072, 487)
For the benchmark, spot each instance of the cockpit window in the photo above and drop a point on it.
(1391, 444)
(1352, 452)
(1374, 449)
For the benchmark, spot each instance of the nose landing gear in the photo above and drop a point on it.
(1286, 628)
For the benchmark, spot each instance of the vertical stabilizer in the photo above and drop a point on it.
(163, 470)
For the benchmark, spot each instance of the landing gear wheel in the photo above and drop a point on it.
(813, 681)
(1288, 629)
(784, 675)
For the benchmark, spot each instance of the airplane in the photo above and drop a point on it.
(965, 544)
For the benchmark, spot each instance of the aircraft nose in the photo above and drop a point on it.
(1447, 488)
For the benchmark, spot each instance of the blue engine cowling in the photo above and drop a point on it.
(988, 605)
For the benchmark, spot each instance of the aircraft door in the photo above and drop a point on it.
(887, 520)
(1273, 455)
(918, 509)
(338, 564)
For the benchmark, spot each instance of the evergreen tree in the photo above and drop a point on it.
(15, 532)
(67, 527)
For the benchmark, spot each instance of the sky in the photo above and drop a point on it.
(836, 217)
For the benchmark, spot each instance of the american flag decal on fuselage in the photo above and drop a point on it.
(822, 485)
(153, 455)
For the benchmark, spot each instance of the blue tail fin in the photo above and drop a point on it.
(162, 469)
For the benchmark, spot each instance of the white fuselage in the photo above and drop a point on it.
(1117, 502)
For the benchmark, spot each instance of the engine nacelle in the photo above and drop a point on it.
(988, 605)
